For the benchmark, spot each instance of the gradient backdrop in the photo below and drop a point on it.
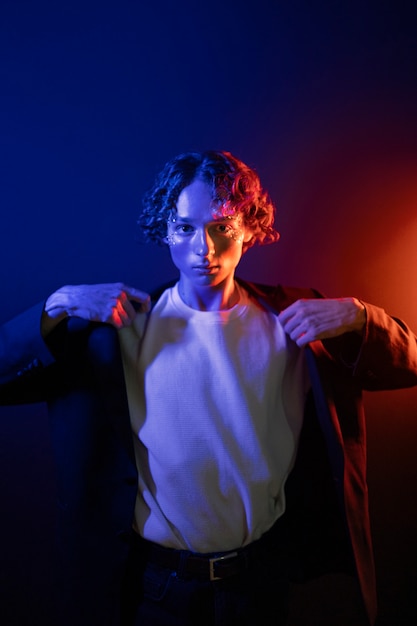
(320, 97)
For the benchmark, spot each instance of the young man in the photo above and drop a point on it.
(210, 442)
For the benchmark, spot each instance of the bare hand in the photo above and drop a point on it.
(109, 303)
(308, 320)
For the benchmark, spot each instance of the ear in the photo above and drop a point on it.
(247, 236)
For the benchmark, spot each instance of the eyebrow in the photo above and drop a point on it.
(189, 220)
(182, 219)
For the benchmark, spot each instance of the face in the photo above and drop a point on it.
(205, 245)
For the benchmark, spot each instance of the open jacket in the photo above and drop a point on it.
(78, 371)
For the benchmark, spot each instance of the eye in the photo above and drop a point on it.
(224, 229)
(184, 229)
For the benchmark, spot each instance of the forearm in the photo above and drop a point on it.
(387, 358)
(22, 347)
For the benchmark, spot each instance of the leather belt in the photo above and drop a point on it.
(188, 564)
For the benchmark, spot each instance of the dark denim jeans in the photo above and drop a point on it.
(258, 596)
(242, 600)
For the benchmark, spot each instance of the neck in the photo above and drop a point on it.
(209, 298)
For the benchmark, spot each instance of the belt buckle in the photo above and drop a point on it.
(215, 560)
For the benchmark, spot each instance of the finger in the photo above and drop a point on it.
(116, 319)
(305, 338)
(123, 312)
(286, 315)
(129, 311)
(141, 297)
(297, 335)
(292, 312)
(293, 324)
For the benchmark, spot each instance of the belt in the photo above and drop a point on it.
(189, 564)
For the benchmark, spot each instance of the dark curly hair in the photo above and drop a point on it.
(235, 186)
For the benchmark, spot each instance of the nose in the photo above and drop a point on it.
(204, 243)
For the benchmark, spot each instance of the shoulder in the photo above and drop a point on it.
(159, 290)
(277, 297)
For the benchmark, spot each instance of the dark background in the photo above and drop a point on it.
(319, 97)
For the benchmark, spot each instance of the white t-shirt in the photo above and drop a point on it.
(216, 403)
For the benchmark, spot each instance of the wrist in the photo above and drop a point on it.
(360, 321)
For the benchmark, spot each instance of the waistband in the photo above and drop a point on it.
(212, 566)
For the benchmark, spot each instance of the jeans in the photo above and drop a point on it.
(241, 600)
(257, 596)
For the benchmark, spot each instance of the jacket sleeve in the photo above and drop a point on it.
(24, 355)
(388, 355)
(385, 357)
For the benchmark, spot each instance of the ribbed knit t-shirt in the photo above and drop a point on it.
(216, 404)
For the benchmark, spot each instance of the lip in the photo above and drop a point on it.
(206, 269)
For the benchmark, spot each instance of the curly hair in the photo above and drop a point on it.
(236, 187)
